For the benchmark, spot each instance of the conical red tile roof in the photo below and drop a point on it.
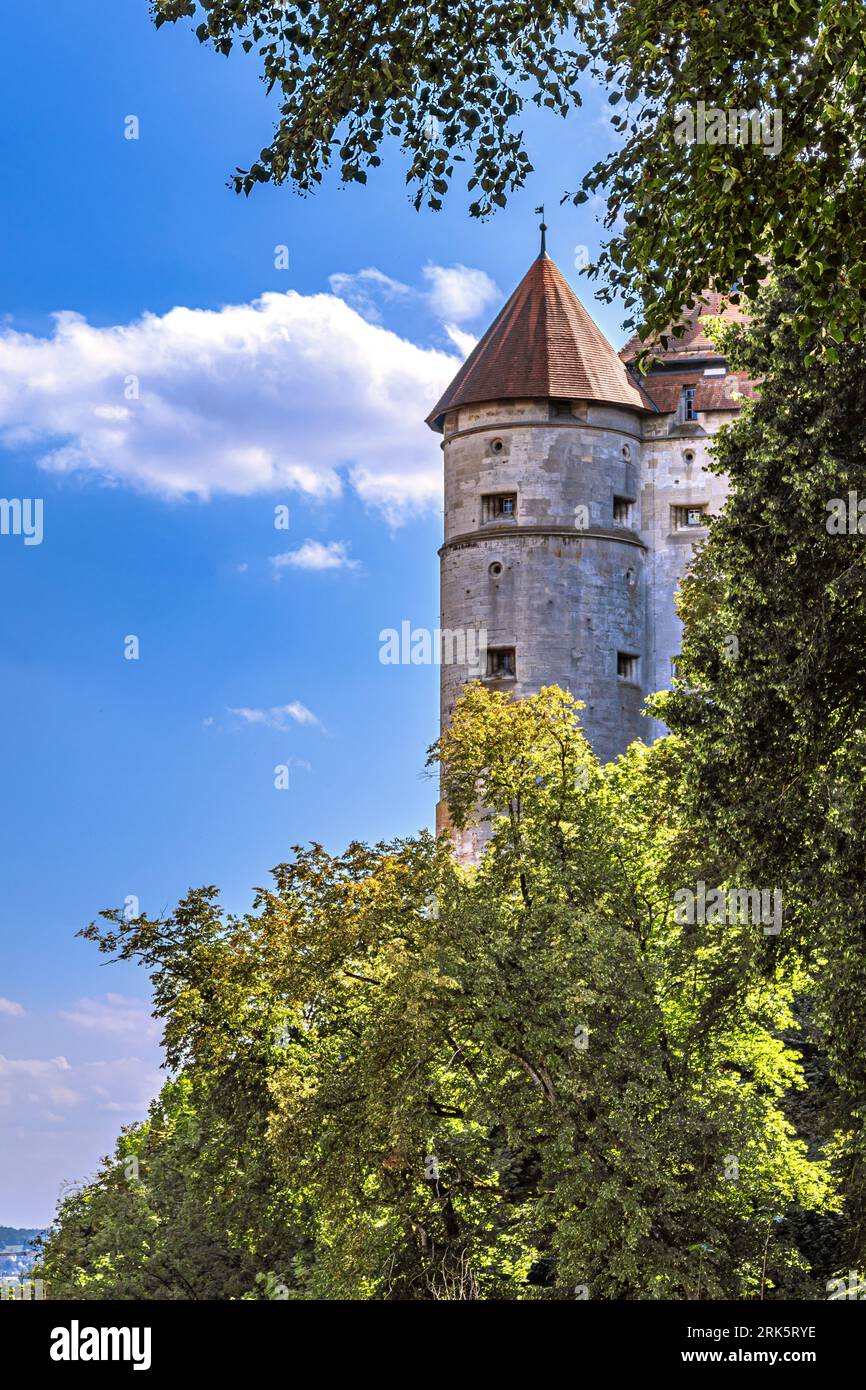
(543, 343)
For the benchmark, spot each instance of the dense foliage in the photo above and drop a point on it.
(448, 83)
(403, 1080)
(775, 720)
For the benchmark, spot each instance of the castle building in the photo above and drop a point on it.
(575, 492)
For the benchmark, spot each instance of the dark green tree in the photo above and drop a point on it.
(771, 696)
(187, 1207)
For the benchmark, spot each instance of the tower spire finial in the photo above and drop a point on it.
(543, 230)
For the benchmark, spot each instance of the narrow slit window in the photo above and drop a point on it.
(499, 506)
(501, 664)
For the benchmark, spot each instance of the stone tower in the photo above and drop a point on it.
(574, 493)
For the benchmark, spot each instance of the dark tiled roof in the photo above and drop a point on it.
(542, 344)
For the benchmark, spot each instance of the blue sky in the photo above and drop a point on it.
(254, 387)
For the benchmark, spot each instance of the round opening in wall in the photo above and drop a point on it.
(689, 455)
(497, 446)
(626, 451)
(495, 569)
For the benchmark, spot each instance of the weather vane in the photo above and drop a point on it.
(543, 251)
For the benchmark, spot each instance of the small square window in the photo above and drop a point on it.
(688, 518)
(623, 511)
(498, 505)
(626, 666)
(501, 663)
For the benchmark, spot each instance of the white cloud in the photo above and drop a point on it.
(458, 293)
(278, 716)
(358, 290)
(464, 342)
(313, 555)
(114, 1014)
(32, 1068)
(122, 1084)
(10, 1009)
(292, 390)
(50, 1088)
(56, 1095)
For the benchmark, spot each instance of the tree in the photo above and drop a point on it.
(449, 82)
(442, 78)
(778, 176)
(771, 697)
(187, 1208)
(527, 1080)
(684, 1060)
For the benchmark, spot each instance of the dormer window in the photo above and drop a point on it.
(688, 409)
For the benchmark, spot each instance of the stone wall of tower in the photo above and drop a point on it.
(673, 474)
(566, 588)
